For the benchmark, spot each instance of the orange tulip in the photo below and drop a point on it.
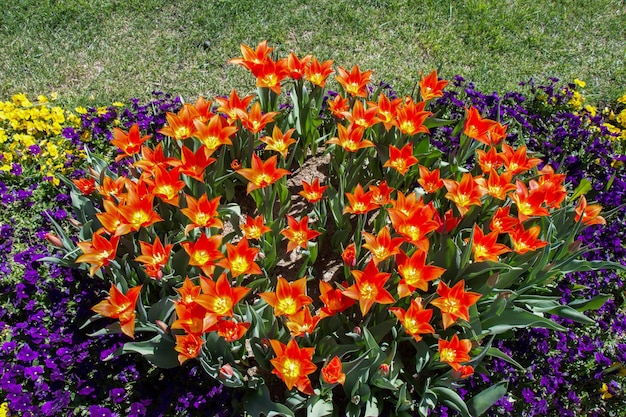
(338, 106)
(416, 226)
(187, 292)
(431, 87)
(254, 228)
(381, 194)
(120, 306)
(526, 240)
(516, 161)
(463, 194)
(154, 257)
(332, 373)
(180, 125)
(333, 299)
(368, 288)
(590, 213)
(410, 118)
(552, 184)
(188, 346)
(455, 351)
(262, 174)
(360, 201)
(312, 192)
(317, 72)
(489, 161)
(448, 223)
(387, 109)
(289, 297)
(252, 57)
(501, 222)
(194, 164)
(150, 159)
(355, 81)
(292, 364)
(98, 252)
(349, 255)
(485, 247)
(361, 117)
(298, 233)
(202, 212)
(279, 142)
(167, 185)
(401, 159)
(382, 246)
(231, 330)
(194, 319)
(219, 297)
(529, 204)
(496, 186)
(111, 188)
(214, 134)
(86, 185)
(233, 106)
(297, 66)
(415, 273)
(138, 211)
(205, 252)
(302, 323)
(350, 138)
(129, 143)
(269, 74)
(204, 109)
(476, 127)
(255, 121)
(415, 320)
(454, 302)
(240, 259)
(430, 181)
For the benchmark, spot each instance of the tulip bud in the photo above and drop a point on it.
(75, 223)
(226, 372)
(383, 369)
(161, 325)
(54, 240)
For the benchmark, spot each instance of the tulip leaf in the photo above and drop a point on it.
(481, 402)
(317, 406)
(497, 353)
(518, 318)
(588, 305)
(159, 351)
(452, 400)
(583, 188)
(257, 402)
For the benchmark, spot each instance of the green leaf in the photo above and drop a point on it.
(159, 351)
(589, 305)
(518, 318)
(497, 353)
(317, 406)
(257, 402)
(452, 400)
(481, 402)
(583, 188)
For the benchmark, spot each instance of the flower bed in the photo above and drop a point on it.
(129, 394)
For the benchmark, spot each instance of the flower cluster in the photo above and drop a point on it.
(428, 254)
(30, 138)
(583, 361)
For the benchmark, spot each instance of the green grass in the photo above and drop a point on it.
(97, 52)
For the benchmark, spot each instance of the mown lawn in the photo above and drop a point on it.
(99, 52)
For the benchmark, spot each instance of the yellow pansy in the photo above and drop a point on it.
(580, 83)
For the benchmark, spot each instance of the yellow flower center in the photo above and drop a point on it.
(407, 127)
(300, 238)
(212, 142)
(166, 190)
(368, 291)
(254, 232)
(263, 180)
(381, 252)
(288, 306)
(201, 257)
(182, 132)
(139, 218)
(352, 88)
(239, 265)
(291, 369)
(451, 305)
(411, 325)
(222, 305)
(270, 80)
(447, 355)
(202, 219)
(317, 78)
(411, 275)
(480, 252)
